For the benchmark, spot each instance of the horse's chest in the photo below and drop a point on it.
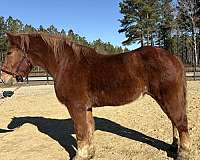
(69, 90)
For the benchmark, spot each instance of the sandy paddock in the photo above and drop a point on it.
(35, 126)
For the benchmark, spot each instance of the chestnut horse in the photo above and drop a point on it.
(84, 79)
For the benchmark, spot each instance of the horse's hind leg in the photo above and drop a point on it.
(181, 123)
(173, 103)
(84, 129)
(175, 138)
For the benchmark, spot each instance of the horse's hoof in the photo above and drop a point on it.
(91, 153)
(79, 158)
(183, 155)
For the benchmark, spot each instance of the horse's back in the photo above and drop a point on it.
(117, 80)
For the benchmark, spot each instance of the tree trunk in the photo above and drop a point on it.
(152, 43)
(177, 41)
(142, 39)
(186, 51)
(147, 38)
(159, 43)
(198, 40)
(195, 46)
(182, 46)
(148, 35)
(194, 38)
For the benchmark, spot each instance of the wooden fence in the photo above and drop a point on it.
(192, 73)
(39, 78)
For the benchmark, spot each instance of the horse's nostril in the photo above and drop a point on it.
(19, 78)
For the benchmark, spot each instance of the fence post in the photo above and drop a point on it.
(47, 78)
(27, 80)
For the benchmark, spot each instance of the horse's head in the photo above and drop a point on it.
(16, 65)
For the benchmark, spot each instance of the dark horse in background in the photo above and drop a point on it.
(85, 79)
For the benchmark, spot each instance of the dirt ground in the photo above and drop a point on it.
(35, 126)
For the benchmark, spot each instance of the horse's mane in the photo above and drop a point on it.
(58, 44)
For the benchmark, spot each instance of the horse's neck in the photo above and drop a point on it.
(44, 58)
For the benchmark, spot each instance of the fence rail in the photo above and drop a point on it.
(39, 77)
(192, 73)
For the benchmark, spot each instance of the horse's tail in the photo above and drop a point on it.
(184, 83)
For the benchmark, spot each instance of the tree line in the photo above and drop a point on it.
(16, 26)
(174, 25)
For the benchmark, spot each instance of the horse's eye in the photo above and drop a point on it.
(9, 53)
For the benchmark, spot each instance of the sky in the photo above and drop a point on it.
(92, 19)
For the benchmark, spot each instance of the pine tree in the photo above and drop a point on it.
(165, 24)
(13, 25)
(139, 20)
(63, 33)
(188, 21)
(71, 35)
(52, 30)
(29, 29)
(3, 42)
(41, 29)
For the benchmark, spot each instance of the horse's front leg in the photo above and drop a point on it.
(84, 129)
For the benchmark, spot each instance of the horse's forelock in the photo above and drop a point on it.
(21, 41)
(14, 39)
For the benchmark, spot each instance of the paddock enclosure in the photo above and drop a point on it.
(35, 126)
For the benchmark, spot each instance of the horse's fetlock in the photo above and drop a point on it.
(183, 154)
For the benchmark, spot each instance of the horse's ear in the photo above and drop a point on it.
(9, 36)
(14, 39)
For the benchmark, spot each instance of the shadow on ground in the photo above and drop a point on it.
(61, 130)
(5, 130)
